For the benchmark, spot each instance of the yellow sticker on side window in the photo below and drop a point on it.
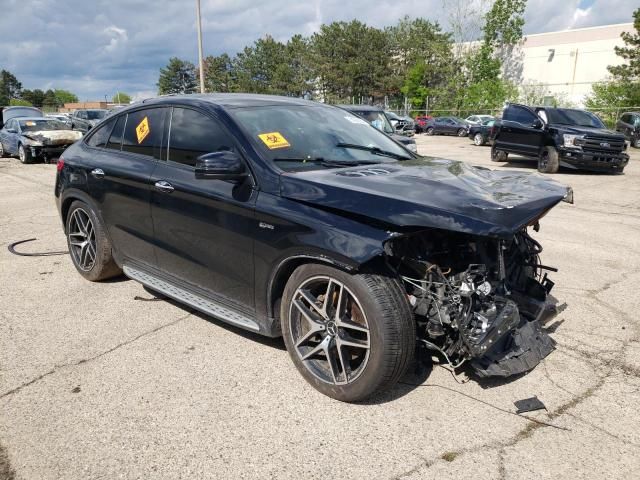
(274, 140)
(142, 130)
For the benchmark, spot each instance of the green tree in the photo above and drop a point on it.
(630, 52)
(218, 73)
(19, 102)
(351, 60)
(121, 97)
(34, 97)
(179, 76)
(50, 100)
(422, 44)
(65, 96)
(502, 29)
(10, 87)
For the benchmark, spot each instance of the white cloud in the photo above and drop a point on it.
(122, 47)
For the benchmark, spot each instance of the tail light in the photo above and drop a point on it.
(60, 164)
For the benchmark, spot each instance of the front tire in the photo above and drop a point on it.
(348, 335)
(430, 131)
(89, 247)
(548, 161)
(636, 143)
(462, 132)
(478, 140)
(2, 154)
(24, 154)
(498, 155)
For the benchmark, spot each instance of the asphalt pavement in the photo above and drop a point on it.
(101, 381)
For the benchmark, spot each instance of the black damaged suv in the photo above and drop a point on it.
(297, 219)
(557, 137)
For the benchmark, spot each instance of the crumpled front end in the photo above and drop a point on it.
(50, 143)
(476, 299)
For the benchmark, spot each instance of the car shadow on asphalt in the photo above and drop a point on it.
(277, 343)
(419, 372)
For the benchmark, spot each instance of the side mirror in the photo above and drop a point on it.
(225, 165)
(537, 123)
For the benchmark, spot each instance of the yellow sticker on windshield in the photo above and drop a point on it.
(30, 124)
(142, 130)
(274, 140)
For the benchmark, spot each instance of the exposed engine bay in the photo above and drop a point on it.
(476, 299)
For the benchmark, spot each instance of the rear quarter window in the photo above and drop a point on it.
(100, 136)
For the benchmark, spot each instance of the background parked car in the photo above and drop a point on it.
(14, 112)
(84, 120)
(376, 117)
(483, 133)
(447, 126)
(31, 138)
(478, 119)
(629, 126)
(61, 117)
(421, 122)
(557, 137)
(402, 125)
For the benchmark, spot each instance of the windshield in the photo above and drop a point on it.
(96, 114)
(573, 117)
(34, 125)
(298, 137)
(377, 119)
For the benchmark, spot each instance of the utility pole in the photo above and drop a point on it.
(200, 61)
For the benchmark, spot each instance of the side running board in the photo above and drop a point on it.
(196, 301)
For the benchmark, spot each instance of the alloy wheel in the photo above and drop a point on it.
(329, 330)
(82, 240)
(22, 155)
(477, 139)
(462, 132)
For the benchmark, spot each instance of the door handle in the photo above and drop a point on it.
(97, 173)
(164, 186)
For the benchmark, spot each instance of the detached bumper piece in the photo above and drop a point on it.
(517, 352)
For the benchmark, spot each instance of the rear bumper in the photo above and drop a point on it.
(599, 162)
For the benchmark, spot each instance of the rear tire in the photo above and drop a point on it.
(24, 154)
(498, 155)
(89, 247)
(478, 139)
(548, 161)
(360, 341)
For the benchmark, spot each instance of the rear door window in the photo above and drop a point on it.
(194, 134)
(144, 132)
(520, 115)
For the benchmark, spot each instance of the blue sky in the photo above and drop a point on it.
(97, 47)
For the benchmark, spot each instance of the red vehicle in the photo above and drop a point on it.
(421, 122)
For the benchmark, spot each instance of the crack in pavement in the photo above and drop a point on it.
(95, 357)
(533, 425)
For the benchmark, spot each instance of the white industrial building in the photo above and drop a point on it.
(568, 63)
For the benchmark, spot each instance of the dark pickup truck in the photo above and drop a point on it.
(556, 137)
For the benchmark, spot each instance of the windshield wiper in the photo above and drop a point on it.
(327, 163)
(374, 150)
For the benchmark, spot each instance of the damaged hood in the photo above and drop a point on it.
(54, 137)
(430, 193)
